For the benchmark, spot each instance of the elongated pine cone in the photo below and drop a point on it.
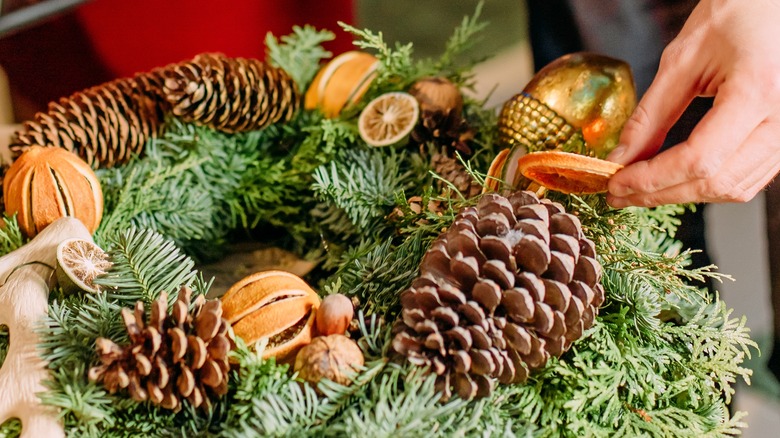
(456, 174)
(170, 358)
(511, 283)
(104, 125)
(230, 94)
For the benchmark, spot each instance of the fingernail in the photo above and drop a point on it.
(619, 190)
(617, 153)
(616, 202)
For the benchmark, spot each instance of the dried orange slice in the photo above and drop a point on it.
(79, 262)
(568, 173)
(388, 119)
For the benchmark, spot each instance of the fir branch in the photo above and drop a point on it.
(299, 53)
(69, 331)
(85, 407)
(379, 272)
(362, 183)
(11, 237)
(403, 402)
(145, 263)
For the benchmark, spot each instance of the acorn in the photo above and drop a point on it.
(334, 315)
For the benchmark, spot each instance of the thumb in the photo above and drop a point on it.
(663, 103)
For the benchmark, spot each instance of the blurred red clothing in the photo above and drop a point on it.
(106, 39)
(137, 35)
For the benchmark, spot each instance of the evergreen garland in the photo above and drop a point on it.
(661, 358)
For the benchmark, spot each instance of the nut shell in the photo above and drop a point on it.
(276, 305)
(437, 94)
(334, 315)
(47, 183)
(332, 357)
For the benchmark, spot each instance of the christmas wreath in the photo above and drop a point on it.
(432, 309)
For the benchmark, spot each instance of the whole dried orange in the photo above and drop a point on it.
(567, 172)
(47, 183)
(276, 305)
(341, 82)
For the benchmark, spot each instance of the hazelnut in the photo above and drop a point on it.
(437, 94)
(332, 357)
(334, 315)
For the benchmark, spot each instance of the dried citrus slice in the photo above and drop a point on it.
(566, 172)
(79, 262)
(388, 119)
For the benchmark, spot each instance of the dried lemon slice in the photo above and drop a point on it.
(568, 173)
(79, 262)
(388, 119)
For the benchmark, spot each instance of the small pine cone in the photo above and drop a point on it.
(511, 283)
(104, 125)
(446, 129)
(230, 94)
(453, 171)
(184, 356)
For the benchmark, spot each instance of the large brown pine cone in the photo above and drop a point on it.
(104, 125)
(511, 283)
(170, 358)
(230, 94)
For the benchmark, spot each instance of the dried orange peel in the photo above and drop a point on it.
(567, 172)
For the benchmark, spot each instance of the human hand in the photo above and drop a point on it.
(728, 49)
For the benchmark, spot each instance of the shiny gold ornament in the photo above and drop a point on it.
(593, 93)
(47, 183)
(275, 305)
(581, 95)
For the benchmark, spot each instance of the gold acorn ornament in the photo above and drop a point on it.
(47, 183)
(578, 96)
(341, 82)
(275, 305)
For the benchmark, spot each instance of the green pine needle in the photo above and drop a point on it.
(299, 53)
(145, 264)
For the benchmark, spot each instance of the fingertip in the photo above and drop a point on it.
(616, 201)
(617, 188)
(618, 153)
